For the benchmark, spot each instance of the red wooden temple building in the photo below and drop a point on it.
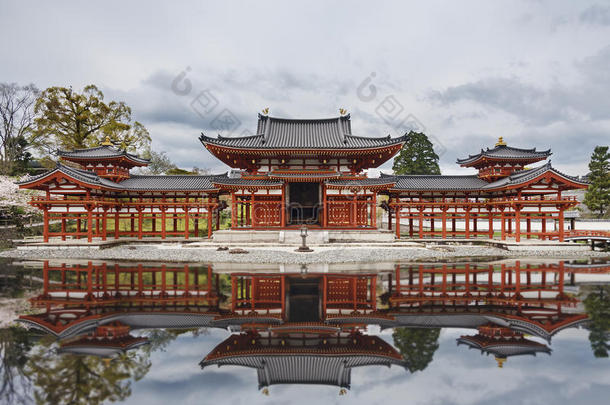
(294, 172)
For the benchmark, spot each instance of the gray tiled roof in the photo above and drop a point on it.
(245, 182)
(84, 176)
(470, 182)
(281, 133)
(170, 182)
(303, 174)
(390, 181)
(136, 182)
(437, 182)
(524, 176)
(103, 151)
(507, 152)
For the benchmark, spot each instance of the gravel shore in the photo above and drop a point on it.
(287, 255)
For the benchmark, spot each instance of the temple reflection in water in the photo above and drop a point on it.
(313, 325)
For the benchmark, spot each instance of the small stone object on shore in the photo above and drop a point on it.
(237, 251)
(221, 248)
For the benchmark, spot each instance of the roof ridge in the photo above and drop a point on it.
(433, 175)
(338, 118)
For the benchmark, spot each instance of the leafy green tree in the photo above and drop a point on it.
(597, 197)
(75, 379)
(66, 119)
(417, 156)
(417, 346)
(597, 305)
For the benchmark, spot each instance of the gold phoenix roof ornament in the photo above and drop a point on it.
(342, 111)
(265, 111)
(107, 142)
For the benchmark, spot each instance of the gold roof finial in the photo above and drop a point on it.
(266, 111)
(106, 142)
(342, 391)
(265, 391)
(342, 111)
(500, 142)
(500, 361)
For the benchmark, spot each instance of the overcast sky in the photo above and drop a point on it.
(535, 72)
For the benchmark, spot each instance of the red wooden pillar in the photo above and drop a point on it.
(355, 209)
(210, 208)
(410, 225)
(490, 225)
(116, 222)
(89, 224)
(543, 227)
(104, 224)
(140, 220)
(397, 221)
(45, 225)
(517, 224)
(474, 224)
(175, 216)
(253, 215)
(154, 222)
(186, 221)
(561, 224)
(233, 211)
(163, 222)
(389, 215)
(420, 231)
(374, 211)
(283, 207)
(444, 223)
(63, 227)
(467, 223)
(503, 226)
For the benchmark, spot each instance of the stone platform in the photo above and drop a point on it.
(314, 236)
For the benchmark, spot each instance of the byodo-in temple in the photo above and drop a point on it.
(294, 172)
(311, 326)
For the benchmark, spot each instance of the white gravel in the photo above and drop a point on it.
(287, 255)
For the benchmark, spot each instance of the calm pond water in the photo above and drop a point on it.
(383, 333)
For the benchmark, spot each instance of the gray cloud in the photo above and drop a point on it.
(596, 14)
(493, 68)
